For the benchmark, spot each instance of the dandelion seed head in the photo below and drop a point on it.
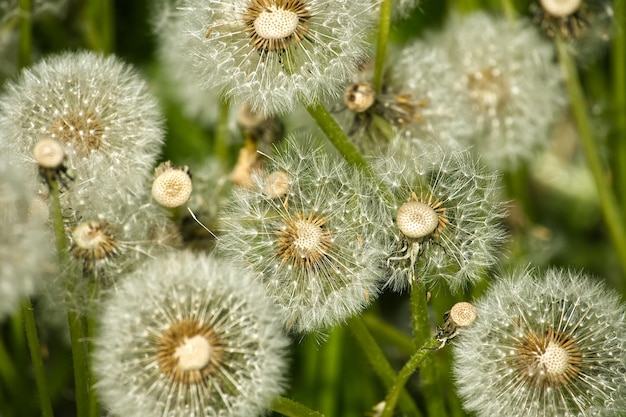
(463, 314)
(543, 344)
(561, 8)
(359, 97)
(48, 153)
(200, 340)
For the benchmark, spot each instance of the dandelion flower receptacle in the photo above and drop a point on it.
(189, 336)
(304, 230)
(272, 53)
(544, 344)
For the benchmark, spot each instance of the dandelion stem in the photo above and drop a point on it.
(329, 373)
(291, 408)
(608, 202)
(9, 375)
(619, 99)
(380, 363)
(381, 48)
(403, 376)
(26, 33)
(76, 324)
(421, 333)
(101, 25)
(35, 354)
(336, 135)
(94, 406)
(389, 333)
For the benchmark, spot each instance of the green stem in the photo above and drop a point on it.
(76, 325)
(380, 363)
(336, 135)
(26, 33)
(329, 374)
(100, 28)
(421, 334)
(35, 353)
(389, 333)
(405, 373)
(608, 203)
(291, 408)
(381, 48)
(9, 376)
(94, 406)
(618, 60)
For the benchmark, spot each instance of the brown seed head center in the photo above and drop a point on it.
(548, 360)
(488, 88)
(420, 218)
(93, 241)
(304, 240)
(82, 131)
(188, 351)
(272, 25)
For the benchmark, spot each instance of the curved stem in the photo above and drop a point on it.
(384, 24)
(403, 376)
(509, 10)
(336, 135)
(35, 353)
(291, 408)
(618, 60)
(608, 202)
(379, 362)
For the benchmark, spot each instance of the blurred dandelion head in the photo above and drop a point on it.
(189, 335)
(544, 344)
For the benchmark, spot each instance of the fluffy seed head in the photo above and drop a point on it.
(544, 344)
(463, 314)
(93, 241)
(201, 340)
(449, 229)
(48, 153)
(269, 54)
(313, 249)
(172, 185)
(359, 97)
(561, 8)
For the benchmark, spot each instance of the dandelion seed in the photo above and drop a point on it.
(189, 336)
(544, 344)
(270, 53)
(313, 248)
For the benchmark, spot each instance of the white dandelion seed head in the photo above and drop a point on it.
(544, 344)
(507, 84)
(313, 248)
(561, 8)
(458, 231)
(186, 336)
(269, 53)
(98, 108)
(26, 245)
(463, 314)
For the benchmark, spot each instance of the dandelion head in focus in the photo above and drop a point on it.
(97, 108)
(189, 335)
(443, 216)
(304, 229)
(544, 344)
(508, 83)
(270, 53)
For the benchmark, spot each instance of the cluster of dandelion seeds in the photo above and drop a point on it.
(98, 108)
(544, 344)
(189, 335)
(305, 231)
(271, 53)
(443, 214)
